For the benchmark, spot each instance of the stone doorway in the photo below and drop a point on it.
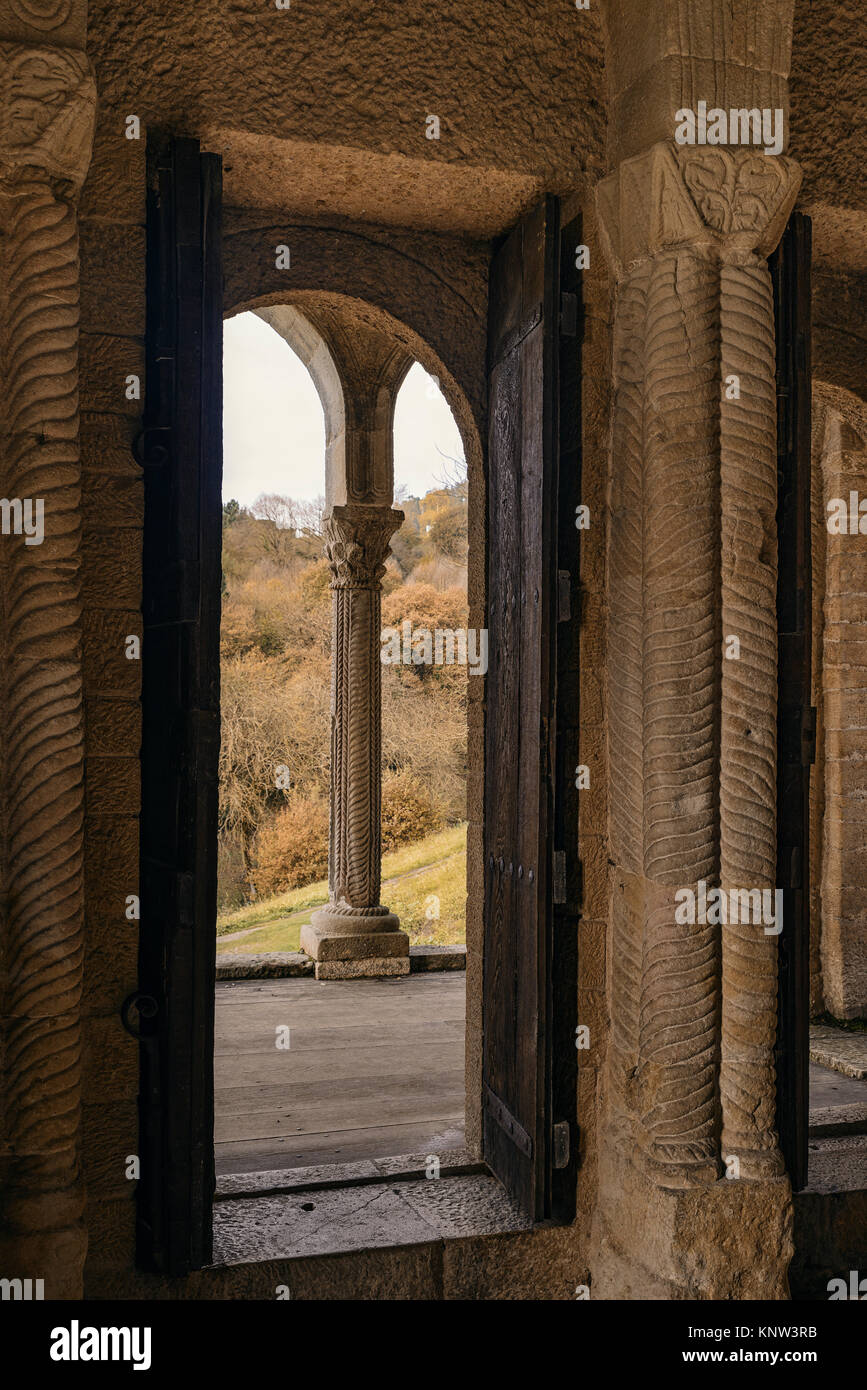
(370, 1057)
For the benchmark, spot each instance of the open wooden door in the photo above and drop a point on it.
(181, 450)
(796, 719)
(524, 872)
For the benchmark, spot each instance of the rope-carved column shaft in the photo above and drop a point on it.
(693, 560)
(356, 780)
(625, 680)
(357, 545)
(680, 966)
(44, 150)
(748, 762)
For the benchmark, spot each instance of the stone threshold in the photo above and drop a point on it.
(272, 965)
(388, 1211)
(324, 1176)
(832, 1121)
(839, 1050)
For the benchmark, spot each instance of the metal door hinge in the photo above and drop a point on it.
(564, 596)
(559, 876)
(569, 315)
(560, 1146)
(808, 737)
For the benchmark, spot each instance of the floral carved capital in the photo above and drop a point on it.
(357, 544)
(738, 191)
(47, 114)
(721, 198)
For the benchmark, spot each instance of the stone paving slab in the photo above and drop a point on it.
(437, 958)
(402, 1166)
(361, 1218)
(279, 965)
(838, 1164)
(840, 1050)
(270, 965)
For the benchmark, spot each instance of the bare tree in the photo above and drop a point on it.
(309, 516)
(272, 506)
(289, 520)
(454, 474)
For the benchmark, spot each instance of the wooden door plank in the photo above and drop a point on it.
(790, 271)
(522, 525)
(181, 452)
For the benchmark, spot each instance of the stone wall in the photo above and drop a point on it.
(431, 292)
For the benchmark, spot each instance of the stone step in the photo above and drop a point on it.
(273, 965)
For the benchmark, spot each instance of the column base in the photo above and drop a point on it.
(346, 947)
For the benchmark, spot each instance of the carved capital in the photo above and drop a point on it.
(47, 114)
(42, 14)
(357, 544)
(723, 198)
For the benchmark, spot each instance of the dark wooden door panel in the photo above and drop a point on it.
(522, 523)
(181, 452)
(790, 271)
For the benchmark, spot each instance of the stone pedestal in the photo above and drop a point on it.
(355, 935)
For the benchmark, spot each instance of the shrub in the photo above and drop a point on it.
(409, 811)
(292, 848)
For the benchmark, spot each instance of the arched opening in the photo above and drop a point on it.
(838, 924)
(326, 417)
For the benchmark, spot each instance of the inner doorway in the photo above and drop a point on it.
(312, 1072)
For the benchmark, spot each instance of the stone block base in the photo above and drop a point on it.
(379, 967)
(362, 955)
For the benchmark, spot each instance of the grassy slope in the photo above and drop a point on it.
(432, 867)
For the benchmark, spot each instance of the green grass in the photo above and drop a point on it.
(438, 868)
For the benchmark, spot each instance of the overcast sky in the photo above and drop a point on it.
(274, 431)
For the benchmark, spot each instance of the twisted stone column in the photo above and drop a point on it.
(693, 735)
(46, 132)
(355, 935)
(839, 606)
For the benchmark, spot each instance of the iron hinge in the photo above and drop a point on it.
(808, 737)
(561, 1144)
(564, 596)
(795, 863)
(559, 876)
(568, 315)
(502, 1116)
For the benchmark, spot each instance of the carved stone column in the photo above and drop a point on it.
(355, 935)
(693, 715)
(46, 132)
(840, 686)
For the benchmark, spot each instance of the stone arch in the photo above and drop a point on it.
(307, 344)
(360, 349)
(838, 944)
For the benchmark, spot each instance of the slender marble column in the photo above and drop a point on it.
(355, 935)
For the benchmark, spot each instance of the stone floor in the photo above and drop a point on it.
(373, 1068)
(838, 1112)
(839, 1049)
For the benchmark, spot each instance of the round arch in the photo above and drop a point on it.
(325, 329)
